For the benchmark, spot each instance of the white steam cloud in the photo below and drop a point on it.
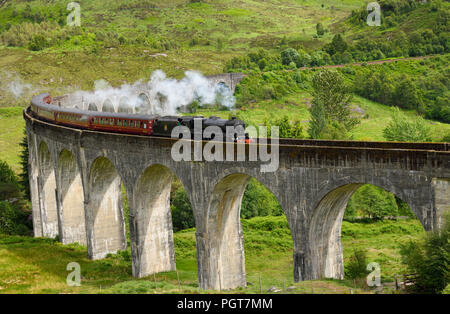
(13, 84)
(163, 95)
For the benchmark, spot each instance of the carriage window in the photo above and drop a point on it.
(119, 122)
(145, 125)
(111, 121)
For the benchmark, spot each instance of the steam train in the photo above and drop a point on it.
(150, 125)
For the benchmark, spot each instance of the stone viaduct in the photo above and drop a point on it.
(229, 79)
(76, 178)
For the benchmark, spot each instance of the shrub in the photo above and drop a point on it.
(320, 30)
(402, 129)
(9, 186)
(356, 267)
(446, 138)
(429, 259)
(285, 127)
(38, 42)
(13, 221)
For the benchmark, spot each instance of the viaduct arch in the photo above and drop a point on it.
(313, 183)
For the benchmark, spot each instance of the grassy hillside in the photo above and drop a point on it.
(123, 41)
(29, 265)
(11, 136)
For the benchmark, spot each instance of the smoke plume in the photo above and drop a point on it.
(12, 84)
(163, 96)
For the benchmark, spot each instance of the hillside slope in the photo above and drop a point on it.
(126, 40)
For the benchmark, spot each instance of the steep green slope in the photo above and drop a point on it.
(36, 265)
(126, 40)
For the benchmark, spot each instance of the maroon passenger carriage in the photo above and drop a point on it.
(42, 108)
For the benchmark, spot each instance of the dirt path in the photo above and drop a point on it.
(368, 62)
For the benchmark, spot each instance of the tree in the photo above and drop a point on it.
(404, 129)
(429, 259)
(320, 30)
(285, 127)
(13, 221)
(9, 186)
(356, 267)
(407, 94)
(23, 177)
(182, 214)
(304, 59)
(290, 55)
(330, 104)
(372, 202)
(259, 201)
(337, 45)
(13, 211)
(319, 120)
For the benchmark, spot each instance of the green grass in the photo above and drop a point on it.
(75, 62)
(296, 108)
(36, 265)
(11, 135)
